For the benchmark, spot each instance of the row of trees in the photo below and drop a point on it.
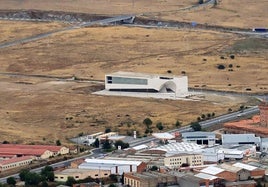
(34, 179)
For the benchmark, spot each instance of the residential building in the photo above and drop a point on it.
(264, 114)
(17, 152)
(79, 174)
(177, 160)
(56, 150)
(15, 162)
(255, 172)
(149, 179)
(238, 174)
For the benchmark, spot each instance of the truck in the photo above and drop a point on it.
(260, 29)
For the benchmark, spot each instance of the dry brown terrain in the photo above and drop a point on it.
(243, 13)
(44, 110)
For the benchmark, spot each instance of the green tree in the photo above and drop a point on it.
(32, 178)
(107, 145)
(11, 181)
(44, 184)
(154, 168)
(121, 143)
(96, 143)
(107, 130)
(112, 185)
(148, 122)
(160, 126)
(58, 143)
(70, 181)
(23, 173)
(47, 173)
(196, 126)
(203, 116)
(178, 124)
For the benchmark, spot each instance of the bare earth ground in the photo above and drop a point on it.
(243, 13)
(44, 110)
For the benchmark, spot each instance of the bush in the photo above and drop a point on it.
(107, 130)
(221, 66)
(230, 66)
(11, 181)
(232, 56)
(169, 71)
(196, 126)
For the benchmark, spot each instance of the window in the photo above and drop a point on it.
(124, 80)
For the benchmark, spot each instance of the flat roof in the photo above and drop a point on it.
(230, 168)
(212, 170)
(140, 75)
(197, 133)
(164, 135)
(140, 147)
(205, 176)
(245, 166)
(230, 138)
(112, 162)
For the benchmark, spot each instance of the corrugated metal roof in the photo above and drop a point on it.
(234, 138)
(177, 147)
(197, 133)
(212, 170)
(245, 166)
(113, 162)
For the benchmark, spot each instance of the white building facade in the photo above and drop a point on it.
(199, 137)
(146, 83)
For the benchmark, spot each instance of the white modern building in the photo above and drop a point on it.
(146, 83)
(199, 137)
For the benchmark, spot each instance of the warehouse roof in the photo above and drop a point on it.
(112, 162)
(52, 148)
(245, 166)
(163, 135)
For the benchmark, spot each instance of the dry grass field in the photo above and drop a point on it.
(44, 110)
(243, 13)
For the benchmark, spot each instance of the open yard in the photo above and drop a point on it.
(43, 110)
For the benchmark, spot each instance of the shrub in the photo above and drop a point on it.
(221, 66)
(232, 56)
(169, 71)
(230, 65)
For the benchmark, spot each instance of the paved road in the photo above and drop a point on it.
(205, 124)
(84, 24)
